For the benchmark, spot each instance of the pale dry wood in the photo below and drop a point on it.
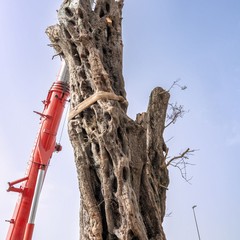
(101, 95)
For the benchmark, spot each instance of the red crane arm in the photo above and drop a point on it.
(22, 222)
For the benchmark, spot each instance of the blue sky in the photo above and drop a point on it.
(164, 40)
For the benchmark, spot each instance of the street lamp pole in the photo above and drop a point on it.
(193, 207)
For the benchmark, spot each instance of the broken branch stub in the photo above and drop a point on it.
(119, 161)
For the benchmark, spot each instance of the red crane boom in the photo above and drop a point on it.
(22, 222)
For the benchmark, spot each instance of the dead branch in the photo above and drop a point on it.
(58, 54)
(176, 83)
(182, 156)
(176, 112)
(181, 163)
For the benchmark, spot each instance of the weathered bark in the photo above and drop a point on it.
(120, 162)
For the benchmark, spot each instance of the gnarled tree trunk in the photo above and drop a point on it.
(120, 162)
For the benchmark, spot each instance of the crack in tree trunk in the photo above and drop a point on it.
(120, 163)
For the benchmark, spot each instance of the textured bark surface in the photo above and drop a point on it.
(120, 162)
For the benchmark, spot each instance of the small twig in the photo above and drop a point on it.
(58, 54)
(169, 139)
(175, 83)
(100, 203)
(163, 186)
(168, 214)
(183, 170)
(53, 45)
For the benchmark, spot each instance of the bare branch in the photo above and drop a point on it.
(176, 83)
(182, 166)
(181, 163)
(176, 112)
(182, 156)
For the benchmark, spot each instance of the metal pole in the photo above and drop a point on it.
(31, 222)
(36, 197)
(196, 221)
